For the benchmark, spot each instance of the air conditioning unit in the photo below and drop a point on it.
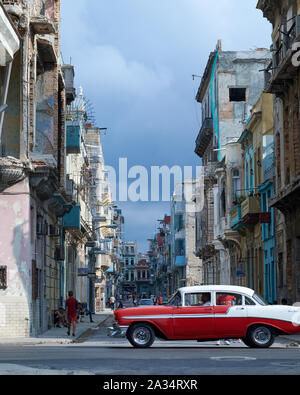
(53, 231)
(59, 253)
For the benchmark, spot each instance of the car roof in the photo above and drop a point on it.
(218, 288)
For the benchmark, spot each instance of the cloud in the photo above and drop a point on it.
(113, 74)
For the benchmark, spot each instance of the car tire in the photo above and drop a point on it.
(259, 336)
(141, 335)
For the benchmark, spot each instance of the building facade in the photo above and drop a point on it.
(231, 85)
(282, 80)
(50, 226)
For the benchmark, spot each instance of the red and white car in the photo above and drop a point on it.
(206, 313)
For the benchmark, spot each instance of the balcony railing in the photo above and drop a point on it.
(251, 210)
(204, 137)
(281, 66)
(235, 217)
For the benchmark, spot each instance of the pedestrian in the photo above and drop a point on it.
(112, 302)
(71, 310)
(88, 312)
(160, 300)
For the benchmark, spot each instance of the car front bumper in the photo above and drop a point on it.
(117, 331)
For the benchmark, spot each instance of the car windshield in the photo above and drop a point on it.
(259, 300)
(175, 299)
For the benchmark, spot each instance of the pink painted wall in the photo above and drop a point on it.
(15, 244)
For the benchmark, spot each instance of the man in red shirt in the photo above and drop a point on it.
(71, 309)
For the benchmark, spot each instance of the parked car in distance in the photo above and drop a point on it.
(145, 302)
(207, 313)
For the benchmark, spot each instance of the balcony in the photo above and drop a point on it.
(180, 234)
(71, 221)
(204, 137)
(281, 69)
(69, 74)
(13, 7)
(235, 217)
(73, 142)
(251, 211)
(180, 261)
(179, 207)
(9, 43)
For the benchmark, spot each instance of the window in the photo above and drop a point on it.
(197, 299)
(236, 184)
(237, 94)
(259, 300)
(249, 302)
(3, 277)
(228, 299)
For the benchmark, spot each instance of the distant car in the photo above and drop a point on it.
(206, 313)
(146, 302)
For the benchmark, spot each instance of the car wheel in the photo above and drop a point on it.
(260, 336)
(141, 335)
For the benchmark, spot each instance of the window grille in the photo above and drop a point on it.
(3, 277)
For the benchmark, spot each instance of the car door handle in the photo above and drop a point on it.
(241, 308)
(210, 309)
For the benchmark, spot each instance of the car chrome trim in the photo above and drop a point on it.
(117, 331)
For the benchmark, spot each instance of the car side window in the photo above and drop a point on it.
(228, 299)
(197, 299)
(249, 302)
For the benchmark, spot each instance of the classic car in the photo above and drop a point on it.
(206, 313)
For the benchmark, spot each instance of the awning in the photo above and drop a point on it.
(111, 269)
(9, 40)
(180, 261)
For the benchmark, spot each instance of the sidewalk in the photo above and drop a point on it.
(59, 335)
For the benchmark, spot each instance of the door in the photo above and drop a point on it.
(195, 319)
(230, 315)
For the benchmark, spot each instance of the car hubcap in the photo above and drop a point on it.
(262, 335)
(141, 335)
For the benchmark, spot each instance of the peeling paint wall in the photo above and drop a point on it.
(15, 253)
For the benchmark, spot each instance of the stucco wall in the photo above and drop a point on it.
(15, 253)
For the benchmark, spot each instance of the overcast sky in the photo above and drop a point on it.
(135, 60)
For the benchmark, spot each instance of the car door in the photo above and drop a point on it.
(195, 319)
(230, 315)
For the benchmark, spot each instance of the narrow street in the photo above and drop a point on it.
(96, 354)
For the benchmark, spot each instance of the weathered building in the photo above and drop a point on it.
(251, 216)
(186, 266)
(231, 84)
(46, 176)
(282, 79)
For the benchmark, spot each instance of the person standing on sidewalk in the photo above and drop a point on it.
(112, 302)
(71, 310)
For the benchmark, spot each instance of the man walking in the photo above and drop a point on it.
(71, 309)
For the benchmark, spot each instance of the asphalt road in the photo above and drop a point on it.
(96, 354)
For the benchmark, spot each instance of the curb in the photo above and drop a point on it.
(39, 341)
